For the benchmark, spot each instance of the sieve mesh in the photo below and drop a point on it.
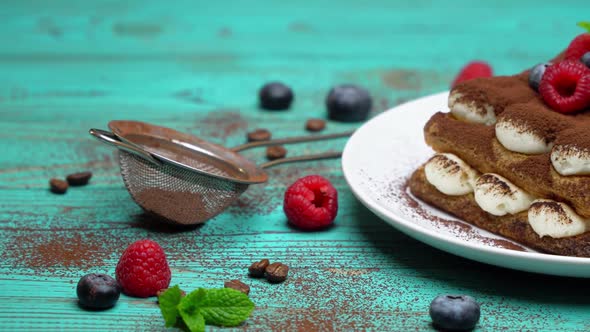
(174, 193)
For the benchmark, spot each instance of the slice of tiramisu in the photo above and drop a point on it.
(513, 155)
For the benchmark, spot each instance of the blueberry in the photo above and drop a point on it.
(348, 103)
(454, 312)
(98, 291)
(586, 59)
(275, 96)
(536, 74)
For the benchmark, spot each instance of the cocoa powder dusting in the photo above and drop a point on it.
(496, 185)
(576, 137)
(536, 118)
(410, 201)
(58, 251)
(450, 165)
(498, 92)
(222, 123)
(257, 201)
(537, 167)
(307, 320)
(553, 207)
(499, 243)
(473, 137)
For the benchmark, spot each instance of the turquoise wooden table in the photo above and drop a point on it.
(67, 66)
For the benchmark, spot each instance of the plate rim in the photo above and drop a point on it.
(407, 226)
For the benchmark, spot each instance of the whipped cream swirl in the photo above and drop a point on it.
(570, 160)
(450, 175)
(469, 111)
(555, 219)
(498, 196)
(517, 137)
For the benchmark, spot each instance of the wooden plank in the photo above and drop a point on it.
(197, 66)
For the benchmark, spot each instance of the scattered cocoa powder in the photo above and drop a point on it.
(221, 123)
(499, 243)
(314, 319)
(57, 251)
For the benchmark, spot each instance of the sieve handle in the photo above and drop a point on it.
(111, 139)
(319, 156)
(299, 139)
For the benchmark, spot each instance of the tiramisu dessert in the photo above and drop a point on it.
(513, 154)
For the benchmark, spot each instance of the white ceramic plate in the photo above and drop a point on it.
(383, 153)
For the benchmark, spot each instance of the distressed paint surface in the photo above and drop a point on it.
(196, 66)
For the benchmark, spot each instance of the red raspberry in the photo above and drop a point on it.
(472, 70)
(565, 86)
(142, 269)
(578, 47)
(311, 203)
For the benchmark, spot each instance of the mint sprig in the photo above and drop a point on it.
(584, 25)
(189, 311)
(220, 306)
(224, 306)
(168, 302)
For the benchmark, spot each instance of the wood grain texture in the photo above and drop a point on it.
(196, 66)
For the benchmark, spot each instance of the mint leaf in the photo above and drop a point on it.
(195, 322)
(584, 25)
(189, 310)
(168, 302)
(224, 306)
(221, 306)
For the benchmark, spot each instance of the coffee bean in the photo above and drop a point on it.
(58, 186)
(237, 285)
(259, 135)
(79, 179)
(315, 125)
(275, 152)
(276, 272)
(256, 270)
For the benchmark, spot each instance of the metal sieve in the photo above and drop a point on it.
(186, 180)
